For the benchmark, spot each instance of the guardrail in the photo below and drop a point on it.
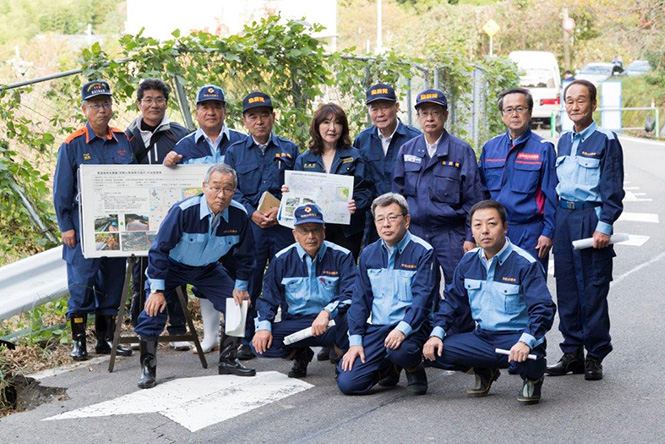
(642, 108)
(31, 282)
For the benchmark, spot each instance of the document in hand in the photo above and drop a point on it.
(267, 203)
(235, 318)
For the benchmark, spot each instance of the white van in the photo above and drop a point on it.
(539, 73)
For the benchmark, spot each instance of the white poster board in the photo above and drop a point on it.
(331, 192)
(122, 206)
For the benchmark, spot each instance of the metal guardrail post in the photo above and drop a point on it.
(436, 78)
(657, 123)
(552, 124)
(409, 111)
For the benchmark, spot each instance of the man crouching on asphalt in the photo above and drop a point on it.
(194, 235)
(395, 284)
(503, 289)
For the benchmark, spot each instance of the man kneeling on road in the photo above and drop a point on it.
(194, 235)
(312, 282)
(395, 284)
(503, 289)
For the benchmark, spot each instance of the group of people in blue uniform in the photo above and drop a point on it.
(425, 213)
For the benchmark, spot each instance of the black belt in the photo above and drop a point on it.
(572, 205)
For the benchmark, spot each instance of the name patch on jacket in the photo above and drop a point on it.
(230, 232)
(347, 160)
(330, 273)
(412, 158)
(528, 156)
(508, 279)
(309, 165)
(409, 266)
(451, 163)
(589, 154)
(283, 155)
(86, 156)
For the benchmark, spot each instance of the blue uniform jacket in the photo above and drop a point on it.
(83, 147)
(349, 162)
(259, 172)
(186, 238)
(523, 178)
(302, 286)
(380, 166)
(194, 147)
(440, 191)
(509, 295)
(590, 168)
(395, 287)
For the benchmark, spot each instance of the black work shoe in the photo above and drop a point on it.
(416, 380)
(569, 362)
(245, 353)
(228, 358)
(530, 393)
(484, 379)
(148, 364)
(391, 377)
(593, 369)
(301, 360)
(324, 354)
(79, 347)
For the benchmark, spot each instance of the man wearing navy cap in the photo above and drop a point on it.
(438, 175)
(311, 281)
(95, 285)
(260, 161)
(380, 142)
(207, 144)
(396, 285)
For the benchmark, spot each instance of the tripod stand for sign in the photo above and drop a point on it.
(117, 339)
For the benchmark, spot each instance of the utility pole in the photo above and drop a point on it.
(567, 25)
(379, 27)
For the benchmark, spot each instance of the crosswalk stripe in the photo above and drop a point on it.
(639, 217)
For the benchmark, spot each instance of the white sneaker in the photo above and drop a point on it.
(180, 345)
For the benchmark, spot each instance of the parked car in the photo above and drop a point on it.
(539, 73)
(637, 68)
(595, 72)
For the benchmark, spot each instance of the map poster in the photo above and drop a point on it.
(122, 206)
(331, 192)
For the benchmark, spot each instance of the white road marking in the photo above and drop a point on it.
(200, 402)
(632, 197)
(644, 141)
(639, 217)
(635, 240)
(69, 368)
(638, 268)
(631, 188)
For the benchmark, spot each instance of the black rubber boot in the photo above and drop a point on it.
(301, 360)
(228, 357)
(530, 393)
(79, 347)
(569, 362)
(390, 378)
(148, 364)
(324, 354)
(484, 379)
(104, 331)
(245, 352)
(416, 380)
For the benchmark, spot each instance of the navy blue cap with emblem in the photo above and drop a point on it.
(210, 92)
(380, 91)
(94, 89)
(432, 96)
(308, 214)
(256, 99)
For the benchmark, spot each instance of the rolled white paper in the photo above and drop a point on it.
(302, 334)
(588, 242)
(501, 351)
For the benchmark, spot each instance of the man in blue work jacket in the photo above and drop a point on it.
(590, 189)
(396, 285)
(517, 170)
(260, 161)
(95, 285)
(208, 144)
(152, 136)
(311, 281)
(501, 288)
(195, 234)
(380, 143)
(437, 173)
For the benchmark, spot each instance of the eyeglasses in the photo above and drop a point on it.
(392, 218)
(98, 106)
(307, 231)
(226, 191)
(433, 113)
(149, 101)
(519, 109)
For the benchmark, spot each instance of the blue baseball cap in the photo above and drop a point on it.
(210, 92)
(256, 99)
(432, 96)
(380, 91)
(94, 89)
(308, 214)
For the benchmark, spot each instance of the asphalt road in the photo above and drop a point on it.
(628, 405)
